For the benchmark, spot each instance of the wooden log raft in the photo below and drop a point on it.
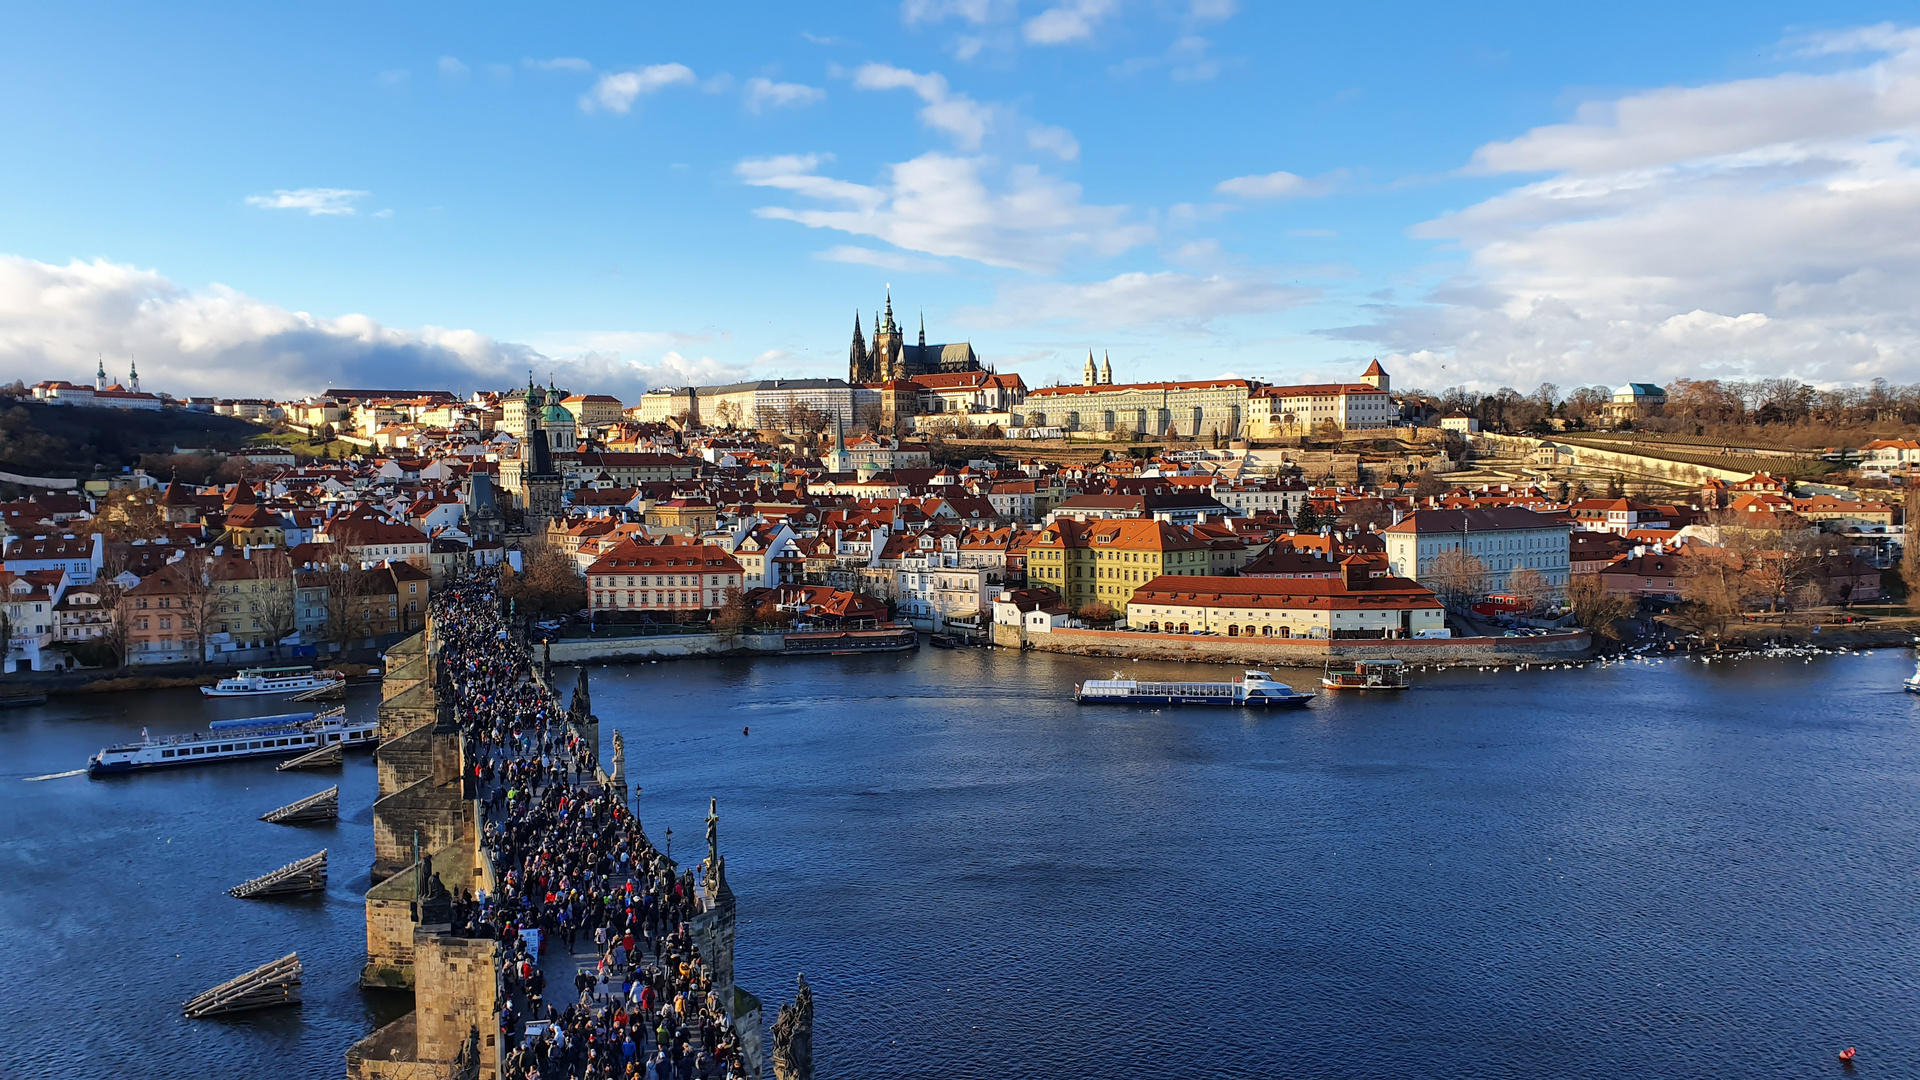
(277, 983)
(320, 806)
(323, 757)
(307, 875)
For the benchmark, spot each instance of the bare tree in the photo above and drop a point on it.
(1596, 608)
(199, 600)
(1531, 588)
(1715, 589)
(1457, 577)
(276, 607)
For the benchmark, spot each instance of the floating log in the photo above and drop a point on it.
(320, 806)
(307, 875)
(322, 757)
(266, 986)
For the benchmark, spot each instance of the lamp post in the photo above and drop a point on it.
(669, 843)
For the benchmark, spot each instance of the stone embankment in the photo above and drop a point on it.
(1301, 652)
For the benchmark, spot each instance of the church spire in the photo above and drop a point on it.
(923, 329)
(100, 375)
(133, 375)
(1089, 375)
(1106, 368)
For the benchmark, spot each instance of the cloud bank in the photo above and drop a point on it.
(1765, 226)
(56, 320)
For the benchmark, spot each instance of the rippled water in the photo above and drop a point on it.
(1645, 871)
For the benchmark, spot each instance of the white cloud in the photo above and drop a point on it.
(1166, 299)
(617, 91)
(55, 319)
(977, 12)
(393, 77)
(1067, 22)
(451, 67)
(1057, 141)
(885, 260)
(315, 201)
(762, 94)
(1754, 227)
(557, 63)
(1273, 185)
(1212, 10)
(963, 119)
(1187, 59)
(959, 207)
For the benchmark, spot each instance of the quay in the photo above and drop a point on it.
(499, 837)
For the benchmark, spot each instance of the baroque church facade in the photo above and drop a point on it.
(892, 357)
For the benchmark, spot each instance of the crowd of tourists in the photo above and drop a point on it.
(571, 866)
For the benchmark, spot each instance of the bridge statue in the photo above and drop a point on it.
(793, 1037)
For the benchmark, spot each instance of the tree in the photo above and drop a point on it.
(1715, 589)
(1366, 515)
(132, 514)
(1616, 487)
(1531, 588)
(198, 599)
(728, 414)
(1457, 577)
(344, 582)
(734, 615)
(548, 584)
(1096, 611)
(276, 608)
(1596, 608)
(1308, 519)
(1427, 483)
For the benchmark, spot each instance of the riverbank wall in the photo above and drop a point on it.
(1300, 652)
(662, 646)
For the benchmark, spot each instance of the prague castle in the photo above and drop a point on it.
(890, 357)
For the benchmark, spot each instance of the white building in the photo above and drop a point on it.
(1504, 538)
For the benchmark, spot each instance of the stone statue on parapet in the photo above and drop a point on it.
(793, 1037)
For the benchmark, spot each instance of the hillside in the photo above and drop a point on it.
(57, 440)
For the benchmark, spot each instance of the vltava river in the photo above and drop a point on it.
(1647, 871)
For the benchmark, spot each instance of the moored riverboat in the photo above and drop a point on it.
(229, 740)
(848, 642)
(1366, 675)
(274, 680)
(1252, 689)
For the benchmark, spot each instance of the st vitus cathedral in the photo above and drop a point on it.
(892, 358)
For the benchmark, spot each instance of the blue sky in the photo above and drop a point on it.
(252, 199)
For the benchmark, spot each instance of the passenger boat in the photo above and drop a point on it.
(1366, 675)
(1252, 689)
(273, 680)
(940, 641)
(229, 740)
(1912, 685)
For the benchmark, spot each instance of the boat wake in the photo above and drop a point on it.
(56, 775)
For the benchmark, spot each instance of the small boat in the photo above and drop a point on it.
(1912, 685)
(1252, 689)
(1366, 675)
(940, 641)
(229, 740)
(274, 680)
(23, 699)
(1847, 1055)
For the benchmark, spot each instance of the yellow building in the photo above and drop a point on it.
(1105, 561)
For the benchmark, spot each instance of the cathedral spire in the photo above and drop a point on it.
(133, 375)
(923, 329)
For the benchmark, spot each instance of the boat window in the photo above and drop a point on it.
(227, 747)
(253, 746)
(333, 738)
(166, 753)
(199, 749)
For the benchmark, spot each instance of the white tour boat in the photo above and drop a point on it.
(227, 740)
(1253, 688)
(273, 680)
(1912, 684)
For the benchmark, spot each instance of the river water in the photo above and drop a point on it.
(1640, 870)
